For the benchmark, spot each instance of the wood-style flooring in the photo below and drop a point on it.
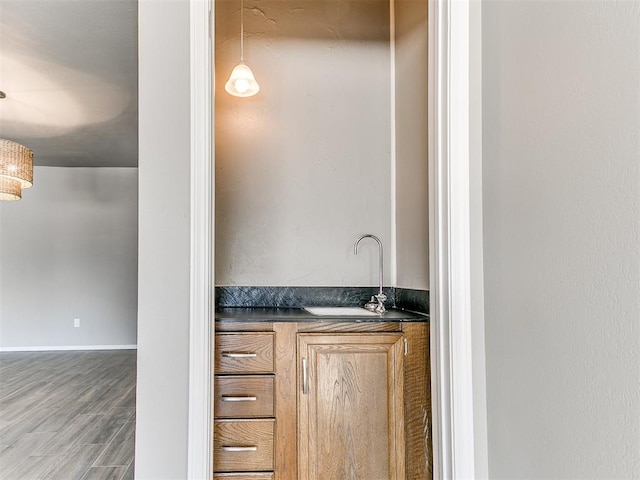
(67, 415)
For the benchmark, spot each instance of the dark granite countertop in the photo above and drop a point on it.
(278, 314)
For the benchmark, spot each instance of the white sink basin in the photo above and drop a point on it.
(340, 311)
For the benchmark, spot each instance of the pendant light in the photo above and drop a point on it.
(16, 168)
(10, 190)
(16, 162)
(241, 82)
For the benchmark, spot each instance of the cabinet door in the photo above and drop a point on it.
(350, 407)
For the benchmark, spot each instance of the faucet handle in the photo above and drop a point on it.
(381, 297)
(371, 304)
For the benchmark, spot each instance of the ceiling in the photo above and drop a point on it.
(69, 69)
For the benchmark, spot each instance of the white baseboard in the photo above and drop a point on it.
(68, 347)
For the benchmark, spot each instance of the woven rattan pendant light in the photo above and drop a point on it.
(16, 162)
(16, 168)
(10, 189)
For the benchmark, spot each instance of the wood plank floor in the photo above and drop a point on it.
(67, 415)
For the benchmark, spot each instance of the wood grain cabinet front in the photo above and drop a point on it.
(244, 353)
(351, 407)
(244, 416)
(242, 396)
(244, 476)
(322, 401)
(243, 445)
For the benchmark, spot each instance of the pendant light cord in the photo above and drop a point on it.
(242, 30)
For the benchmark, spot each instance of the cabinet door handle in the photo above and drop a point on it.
(239, 355)
(305, 378)
(240, 449)
(246, 398)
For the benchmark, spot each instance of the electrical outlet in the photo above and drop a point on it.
(76, 322)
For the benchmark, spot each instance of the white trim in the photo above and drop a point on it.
(440, 367)
(452, 332)
(199, 461)
(476, 238)
(450, 243)
(393, 176)
(55, 348)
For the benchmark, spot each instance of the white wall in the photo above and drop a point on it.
(163, 313)
(412, 192)
(303, 168)
(561, 179)
(68, 250)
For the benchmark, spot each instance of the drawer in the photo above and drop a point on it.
(243, 445)
(243, 476)
(243, 326)
(243, 396)
(244, 352)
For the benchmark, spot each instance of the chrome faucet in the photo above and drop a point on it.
(380, 297)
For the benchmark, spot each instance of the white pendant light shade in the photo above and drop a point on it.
(241, 82)
(10, 189)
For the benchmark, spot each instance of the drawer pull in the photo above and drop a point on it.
(239, 355)
(240, 449)
(226, 398)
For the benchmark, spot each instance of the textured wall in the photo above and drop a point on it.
(303, 168)
(562, 244)
(69, 250)
(412, 193)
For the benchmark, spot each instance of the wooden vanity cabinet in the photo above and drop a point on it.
(351, 406)
(244, 421)
(351, 401)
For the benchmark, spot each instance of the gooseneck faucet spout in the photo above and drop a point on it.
(380, 297)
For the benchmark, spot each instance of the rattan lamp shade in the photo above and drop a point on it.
(10, 189)
(16, 163)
